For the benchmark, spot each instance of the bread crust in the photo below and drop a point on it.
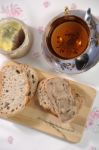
(32, 77)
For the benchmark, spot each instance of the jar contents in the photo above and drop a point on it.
(11, 36)
(69, 39)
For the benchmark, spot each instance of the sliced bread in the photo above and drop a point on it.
(55, 95)
(43, 98)
(14, 90)
(31, 74)
(79, 99)
(32, 77)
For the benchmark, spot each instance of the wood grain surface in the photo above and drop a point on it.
(34, 117)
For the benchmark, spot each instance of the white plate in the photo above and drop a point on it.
(37, 13)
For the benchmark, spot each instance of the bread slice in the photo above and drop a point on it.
(79, 100)
(43, 98)
(58, 97)
(32, 77)
(31, 74)
(14, 90)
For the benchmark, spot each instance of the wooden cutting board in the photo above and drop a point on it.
(34, 117)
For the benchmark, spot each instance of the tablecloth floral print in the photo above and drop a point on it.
(12, 9)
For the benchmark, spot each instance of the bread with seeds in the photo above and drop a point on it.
(14, 90)
(32, 77)
(31, 74)
(55, 95)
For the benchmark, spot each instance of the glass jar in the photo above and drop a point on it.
(26, 42)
